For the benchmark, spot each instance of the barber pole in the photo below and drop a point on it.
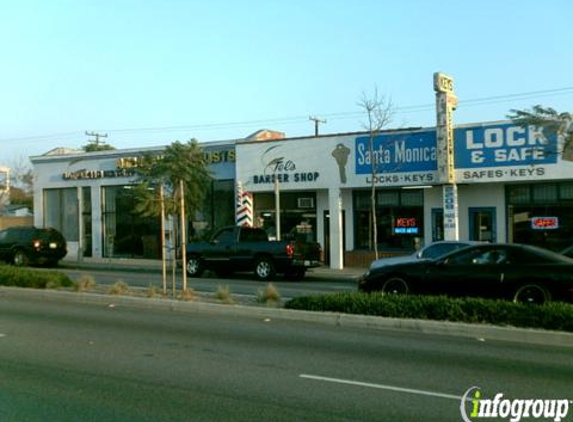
(244, 207)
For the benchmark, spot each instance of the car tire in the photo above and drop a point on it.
(395, 286)
(194, 267)
(264, 269)
(532, 293)
(20, 258)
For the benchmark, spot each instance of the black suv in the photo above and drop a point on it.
(30, 245)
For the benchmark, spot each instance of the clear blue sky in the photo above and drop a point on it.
(155, 71)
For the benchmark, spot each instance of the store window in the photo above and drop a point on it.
(61, 212)
(126, 233)
(437, 224)
(399, 215)
(541, 214)
(87, 221)
(218, 210)
(297, 215)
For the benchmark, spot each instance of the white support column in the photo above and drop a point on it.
(97, 223)
(81, 228)
(335, 211)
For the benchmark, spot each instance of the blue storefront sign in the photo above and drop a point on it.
(397, 153)
(503, 145)
(476, 147)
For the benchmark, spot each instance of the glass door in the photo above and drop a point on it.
(483, 224)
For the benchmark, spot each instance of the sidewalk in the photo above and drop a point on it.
(146, 265)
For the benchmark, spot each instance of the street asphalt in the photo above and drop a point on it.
(349, 273)
(481, 332)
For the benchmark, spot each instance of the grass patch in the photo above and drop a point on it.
(187, 295)
(551, 316)
(85, 283)
(269, 295)
(152, 291)
(118, 288)
(25, 277)
(223, 294)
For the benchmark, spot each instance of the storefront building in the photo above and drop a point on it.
(88, 197)
(513, 184)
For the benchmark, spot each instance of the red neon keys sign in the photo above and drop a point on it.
(545, 223)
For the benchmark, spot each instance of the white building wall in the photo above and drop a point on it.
(321, 207)
(348, 208)
(469, 196)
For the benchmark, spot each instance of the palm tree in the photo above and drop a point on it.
(553, 122)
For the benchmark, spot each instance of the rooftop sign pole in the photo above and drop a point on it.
(446, 103)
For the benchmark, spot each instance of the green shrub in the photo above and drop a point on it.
(25, 277)
(550, 316)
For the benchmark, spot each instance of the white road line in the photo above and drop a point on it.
(383, 387)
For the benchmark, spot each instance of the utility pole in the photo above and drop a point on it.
(97, 136)
(317, 120)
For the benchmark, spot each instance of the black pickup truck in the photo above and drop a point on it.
(238, 248)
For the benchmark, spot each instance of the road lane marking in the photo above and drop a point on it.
(383, 387)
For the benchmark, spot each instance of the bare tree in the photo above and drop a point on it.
(21, 182)
(379, 112)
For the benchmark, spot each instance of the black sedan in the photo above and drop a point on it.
(521, 273)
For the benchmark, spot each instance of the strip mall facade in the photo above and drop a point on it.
(513, 185)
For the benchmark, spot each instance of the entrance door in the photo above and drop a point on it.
(483, 224)
(326, 221)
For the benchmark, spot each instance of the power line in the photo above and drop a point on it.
(299, 119)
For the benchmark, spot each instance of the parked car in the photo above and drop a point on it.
(431, 251)
(239, 248)
(568, 252)
(24, 245)
(521, 273)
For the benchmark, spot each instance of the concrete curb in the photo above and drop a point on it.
(480, 332)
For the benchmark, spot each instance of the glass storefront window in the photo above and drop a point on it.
(61, 212)
(125, 233)
(399, 218)
(544, 193)
(218, 210)
(297, 214)
(87, 220)
(550, 201)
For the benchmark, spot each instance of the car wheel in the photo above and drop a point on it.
(194, 267)
(532, 293)
(264, 269)
(395, 286)
(20, 259)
